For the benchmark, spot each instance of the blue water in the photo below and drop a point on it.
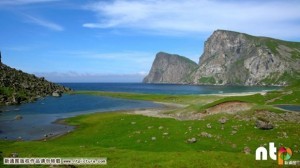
(38, 117)
(290, 107)
(164, 88)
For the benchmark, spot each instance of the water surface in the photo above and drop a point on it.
(165, 88)
(290, 107)
(38, 117)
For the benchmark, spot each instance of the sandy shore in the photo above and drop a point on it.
(237, 94)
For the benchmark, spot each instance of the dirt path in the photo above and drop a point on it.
(152, 113)
(227, 107)
(279, 97)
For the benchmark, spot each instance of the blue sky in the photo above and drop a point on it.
(116, 40)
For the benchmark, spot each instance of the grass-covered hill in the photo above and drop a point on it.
(17, 87)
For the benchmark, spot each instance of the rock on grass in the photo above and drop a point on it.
(192, 140)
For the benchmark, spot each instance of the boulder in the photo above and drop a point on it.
(205, 134)
(223, 120)
(247, 150)
(56, 94)
(192, 140)
(18, 117)
(14, 154)
(208, 125)
(264, 125)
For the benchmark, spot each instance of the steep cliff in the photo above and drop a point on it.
(237, 58)
(169, 68)
(232, 58)
(17, 87)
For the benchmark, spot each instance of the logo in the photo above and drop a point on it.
(283, 153)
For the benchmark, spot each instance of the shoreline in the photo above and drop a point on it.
(154, 112)
(62, 121)
(151, 112)
(59, 121)
(239, 94)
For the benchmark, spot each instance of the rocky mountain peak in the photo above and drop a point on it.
(233, 58)
(220, 41)
(241, 59)
(170, 68)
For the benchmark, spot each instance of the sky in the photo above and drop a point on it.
(117, 40)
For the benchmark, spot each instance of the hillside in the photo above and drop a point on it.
(18, 87)
(232, 58)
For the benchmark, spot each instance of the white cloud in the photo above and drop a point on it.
(73, 76)
(44, 23)
(127, 62)
(92, 25)
(139, 58)
(23, 2)
(272, 17)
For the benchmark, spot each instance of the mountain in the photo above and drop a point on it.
(170, 68)
(233, 58)
(18, 87)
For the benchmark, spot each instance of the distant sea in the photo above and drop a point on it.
(38, 117)
(166, 88)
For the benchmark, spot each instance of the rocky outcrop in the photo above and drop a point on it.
(232, 58)
(170, 68)
(57, 93)
(18, 87)
(264, 125)
(241, 59)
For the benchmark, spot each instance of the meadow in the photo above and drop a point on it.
(132, 140)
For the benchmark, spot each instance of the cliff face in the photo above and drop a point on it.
(168, 68)
(239, 59)
(18, 87)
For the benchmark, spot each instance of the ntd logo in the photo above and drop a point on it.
(283, 153)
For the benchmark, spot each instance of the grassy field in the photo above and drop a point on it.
(129, 140)
(126, 140)
(178, 99)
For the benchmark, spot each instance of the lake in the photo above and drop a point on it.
(290, 107)
(38, 117)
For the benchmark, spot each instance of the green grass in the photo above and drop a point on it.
(126, 139)
(272, 45)
(207, 80)
(6, 91)
(113, 135)
(198, 103)
(295, 54)
(19, 95)
(289, 98)
(256, 99)
(179, 99)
